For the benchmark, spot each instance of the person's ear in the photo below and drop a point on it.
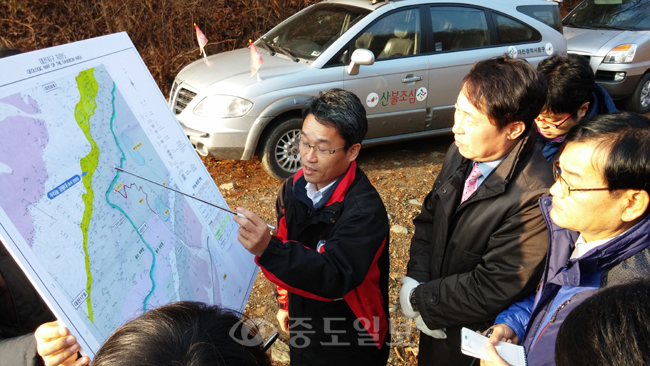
(515, 129)
(353, 152)
(636, 204)
(582, 111)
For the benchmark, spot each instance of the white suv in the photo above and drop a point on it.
(404, 59)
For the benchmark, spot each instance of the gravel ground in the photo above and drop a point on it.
(402, 173)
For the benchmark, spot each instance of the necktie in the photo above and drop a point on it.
(472, 182)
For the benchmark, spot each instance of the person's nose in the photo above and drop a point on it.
(457, 128)
(556, 189)
(311, 155)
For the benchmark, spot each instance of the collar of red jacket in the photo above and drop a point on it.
(342, 186)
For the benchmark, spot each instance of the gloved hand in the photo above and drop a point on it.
(436, 333)
(408, 285)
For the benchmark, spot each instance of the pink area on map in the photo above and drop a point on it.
(193, 230)
(16, 100)
(22, 141)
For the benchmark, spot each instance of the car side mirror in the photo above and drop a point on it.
(360, 56)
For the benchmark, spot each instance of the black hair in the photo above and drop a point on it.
(506, 90)
(610, 328)
(342, 110)
(626, 136)
(183, 334)
(570, 83)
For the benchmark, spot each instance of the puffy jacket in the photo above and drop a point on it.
(333, 261)
(21, 311)
(567, 282)
(477, 257)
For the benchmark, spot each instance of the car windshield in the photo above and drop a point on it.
(610, 14)
(312, 31)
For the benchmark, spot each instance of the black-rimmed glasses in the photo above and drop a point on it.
(566, 190)
(303, 145)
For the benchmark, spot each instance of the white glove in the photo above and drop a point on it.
(436, 333)
(408, 285)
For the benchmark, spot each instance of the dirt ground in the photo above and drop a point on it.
(402, 173)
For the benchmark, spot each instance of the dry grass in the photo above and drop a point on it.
(162, 30)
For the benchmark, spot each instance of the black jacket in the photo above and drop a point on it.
(21, 311)
(478, 257)
(333, 261)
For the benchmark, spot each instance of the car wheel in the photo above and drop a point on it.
(639, 102)
(280, 153)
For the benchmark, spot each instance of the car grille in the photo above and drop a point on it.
(605, 75)
(588, 57)
(180, 98)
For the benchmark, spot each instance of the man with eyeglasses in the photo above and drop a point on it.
(599, 230)
(572, 95)
(480, 238)
(329, 257)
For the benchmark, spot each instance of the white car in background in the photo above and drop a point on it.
(404, 60)
(615, 36)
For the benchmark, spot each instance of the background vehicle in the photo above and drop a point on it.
(404, 59)
(615, 36)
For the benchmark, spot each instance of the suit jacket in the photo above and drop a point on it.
(477, 257)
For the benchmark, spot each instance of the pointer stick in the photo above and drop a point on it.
(188, 195)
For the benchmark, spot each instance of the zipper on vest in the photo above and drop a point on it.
(552, 320)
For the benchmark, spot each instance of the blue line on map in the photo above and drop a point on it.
(63, 187)
(110, 188)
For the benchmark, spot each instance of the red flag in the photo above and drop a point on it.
(256, 58)
(201, 38)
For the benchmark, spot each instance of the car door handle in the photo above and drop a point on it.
(411, 79)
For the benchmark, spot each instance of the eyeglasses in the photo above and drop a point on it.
(304, 146)
(566, 190)
(549, 124)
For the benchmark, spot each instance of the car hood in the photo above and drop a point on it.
(232, 71)
(597, 42)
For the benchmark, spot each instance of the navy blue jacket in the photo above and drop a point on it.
(567, 282)
(600, 103)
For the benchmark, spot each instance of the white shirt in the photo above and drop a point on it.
(316, 195)
(583, 247)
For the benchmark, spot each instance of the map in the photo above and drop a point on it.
(100, 245)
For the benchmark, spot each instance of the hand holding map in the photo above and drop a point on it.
(57, 346)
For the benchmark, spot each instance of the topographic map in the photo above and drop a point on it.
(100, 245)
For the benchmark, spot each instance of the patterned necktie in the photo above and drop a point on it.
(472, 182)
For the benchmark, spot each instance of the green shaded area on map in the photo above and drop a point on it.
(83, 111)
(222, 227)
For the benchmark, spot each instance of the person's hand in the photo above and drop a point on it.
(435, 333)
(57, 346)
(254, 235)
(283, 319)
(502, 333)
(408, 284)
(495, 359)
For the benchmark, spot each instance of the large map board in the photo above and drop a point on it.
(102, 246)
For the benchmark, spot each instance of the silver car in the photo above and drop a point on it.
(404, 59)
(615, 36)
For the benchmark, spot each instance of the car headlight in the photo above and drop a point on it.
(620, 54)
(223, 106)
